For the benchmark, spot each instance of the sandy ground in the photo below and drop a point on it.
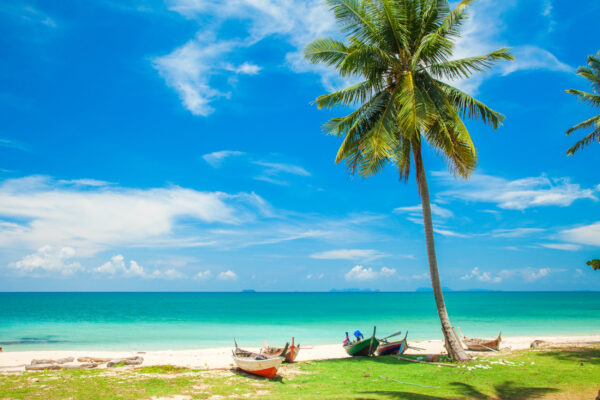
(221, 357)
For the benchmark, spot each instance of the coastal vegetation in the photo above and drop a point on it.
(555, 373)
(591, 72)
(402, 53)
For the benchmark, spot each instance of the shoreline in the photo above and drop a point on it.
(220, 357)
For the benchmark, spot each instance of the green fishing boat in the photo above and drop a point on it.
(361, 347)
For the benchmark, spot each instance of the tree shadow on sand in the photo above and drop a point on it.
(503, 391)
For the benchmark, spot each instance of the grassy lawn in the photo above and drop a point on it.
(567, 373)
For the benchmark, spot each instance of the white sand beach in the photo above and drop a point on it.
(216, 358)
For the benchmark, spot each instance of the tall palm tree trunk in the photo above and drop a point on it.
(455, 348)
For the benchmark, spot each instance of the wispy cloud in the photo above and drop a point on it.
(515, 232)
(190, 68)
(13, 144)
(586, 234)
(436, 210)
(227, 276)
(95, 218)
(518, 194)
(348, 254)
(561, 246)
(216, 158)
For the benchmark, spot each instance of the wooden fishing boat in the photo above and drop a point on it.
(289, 353)
(364, 347)
(477, 344)
(397, 347)
(257, 363)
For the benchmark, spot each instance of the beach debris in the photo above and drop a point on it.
(98, 360)
(366, 375)
(48, 361)
(536, 343)
(43, 367)
(432, 357)
(408, 383)
(125, 361)
(425, 362)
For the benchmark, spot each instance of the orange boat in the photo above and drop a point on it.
(288, 352)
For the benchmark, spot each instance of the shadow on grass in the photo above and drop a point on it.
(574, 354)
(503, 391)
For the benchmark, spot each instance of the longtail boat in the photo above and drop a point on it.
(477, 344)
(361, 347)
(386, 348)
(289, 355)
(256, 363)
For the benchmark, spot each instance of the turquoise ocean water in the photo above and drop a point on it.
(161, 321)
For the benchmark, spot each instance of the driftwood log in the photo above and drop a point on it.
(425, 362)
(41, 367)
(125, 361)
(94, 359)
(48, 361)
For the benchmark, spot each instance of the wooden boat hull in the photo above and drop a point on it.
(291, 354)
(385, 349)
(267, 368)
(364, 348)
(475, 344)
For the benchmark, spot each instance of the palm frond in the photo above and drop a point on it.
(463, 68)
(593, 136)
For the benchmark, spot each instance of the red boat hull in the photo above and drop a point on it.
(267, 373)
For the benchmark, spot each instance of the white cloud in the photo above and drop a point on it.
(518, 194)
(311, 276)
(424, 275)
(481, 276)
(117, 267)
(98, 218)
(525, 274)
(217, 158)
(587, 234)
(13, 144)
(534, 58)
(418, 211)
(348, 254)
(48, 259)
(561, 246)
(203, 275)
(515, 232)
(190, 68)
(448, 232)
(483, 33)
(277, 168)
(84, 182)
(228, 276)
(359, 273)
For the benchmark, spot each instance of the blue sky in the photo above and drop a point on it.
(173, 146)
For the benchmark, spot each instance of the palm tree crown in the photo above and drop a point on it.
(590, 72)
(402, 52)
(401, 49)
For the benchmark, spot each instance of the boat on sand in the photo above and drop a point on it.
(257, 363)
(477, 344)
(289, 353)
(361, 346)
(396, 347)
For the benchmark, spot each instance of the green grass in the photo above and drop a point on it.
(569, 373)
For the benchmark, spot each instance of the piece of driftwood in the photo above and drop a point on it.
(42, 367)
(425, 362)
(48, 361)
(125, 361)
(94, 359)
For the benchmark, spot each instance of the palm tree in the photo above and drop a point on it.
(401, 50)
(591, 72)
